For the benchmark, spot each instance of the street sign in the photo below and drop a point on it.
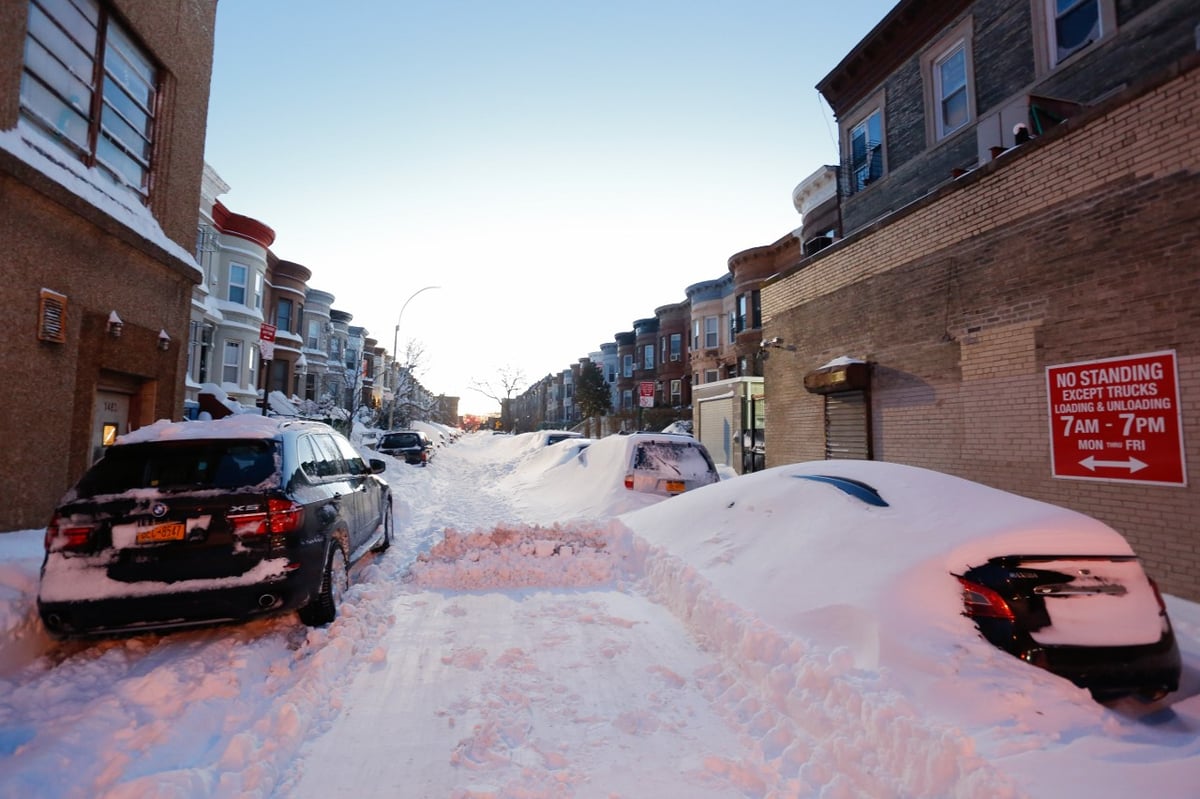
(266, 332)
(1117, 419)
(646, 394)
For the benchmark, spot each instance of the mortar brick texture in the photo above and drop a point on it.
(1085, 246)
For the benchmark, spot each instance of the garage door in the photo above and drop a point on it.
(847, 426)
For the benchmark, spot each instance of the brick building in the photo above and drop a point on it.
(98, 224)
(949, 297)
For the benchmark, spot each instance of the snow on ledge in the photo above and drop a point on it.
(88, 184)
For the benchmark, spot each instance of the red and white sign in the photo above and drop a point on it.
(646, 394)
(266, 342)
(1117, 419)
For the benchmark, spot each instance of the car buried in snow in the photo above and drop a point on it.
(908, 552)
(191, 523)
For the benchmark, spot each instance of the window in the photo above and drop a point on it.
(1073, 25)
(733, 327)
(627, 366)
(231, 364)
(676, 392)
(237, 284)
(711, 339)
(87, 85)
(258, 290)
(283, 316)
(950, 79)
(676, 346)
(313, 340)
(947, 72)
(695, 334)
(741, 312)
(627, 399)
(755, 309)
(710, 375)
(866, 152)
(648, 356)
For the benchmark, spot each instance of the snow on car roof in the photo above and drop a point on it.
(243, 425)
(881, 561)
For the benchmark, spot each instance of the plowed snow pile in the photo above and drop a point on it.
(517, 556)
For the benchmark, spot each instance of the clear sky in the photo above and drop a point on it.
(559, 169)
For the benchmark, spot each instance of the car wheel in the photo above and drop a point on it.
(386, 541)
(323, 608)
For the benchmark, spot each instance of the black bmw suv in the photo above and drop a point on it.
(190, 523)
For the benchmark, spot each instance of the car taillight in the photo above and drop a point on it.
(281, 516)
(65, 534)
(286, 515)
(629, 481)
(981, 602)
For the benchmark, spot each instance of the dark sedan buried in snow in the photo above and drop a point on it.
(189, 523)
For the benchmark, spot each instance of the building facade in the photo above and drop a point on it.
(98, 229)
(928, 334)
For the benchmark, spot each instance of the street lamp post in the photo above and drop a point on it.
(395, 344)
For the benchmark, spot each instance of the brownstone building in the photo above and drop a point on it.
(98, 224)
(1017, 196)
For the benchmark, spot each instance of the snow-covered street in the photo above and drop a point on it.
(504, 648)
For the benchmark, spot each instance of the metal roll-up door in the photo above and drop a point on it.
(847, 425)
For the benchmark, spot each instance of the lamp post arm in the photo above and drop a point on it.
(396, 353)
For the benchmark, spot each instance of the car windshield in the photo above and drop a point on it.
(180, 465)
(670, 458)
(401, 440)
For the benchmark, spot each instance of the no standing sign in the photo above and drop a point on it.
(1117, 419)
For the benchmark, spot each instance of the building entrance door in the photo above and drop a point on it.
(110, 418)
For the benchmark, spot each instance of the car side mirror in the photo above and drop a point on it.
(377, 466)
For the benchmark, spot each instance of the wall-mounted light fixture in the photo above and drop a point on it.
(164, 340)
(115, 325)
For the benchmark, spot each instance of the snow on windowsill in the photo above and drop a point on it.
(43, 155)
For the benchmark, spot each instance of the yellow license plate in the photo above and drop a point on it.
(172, 531)
(675, 486)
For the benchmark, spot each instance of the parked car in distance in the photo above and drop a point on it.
(665, 464)
(554, 436)
(189, 523)
(413, 446)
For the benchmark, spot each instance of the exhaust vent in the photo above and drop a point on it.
(52, 316)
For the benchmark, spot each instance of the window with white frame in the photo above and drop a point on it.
(733, 331)
(237, 284)
(711, 332)
(88, 86)
(948, 74)
(627, 365)
(258, 290)
(695, 334)
(676, 391)
(648, 356)
(1072, 25)
(231, 362)
(950, 84)
(676, 346)
(313, 339)
(866, 151)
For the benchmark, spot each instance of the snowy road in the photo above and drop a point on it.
(504, 650)
(489, 694)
